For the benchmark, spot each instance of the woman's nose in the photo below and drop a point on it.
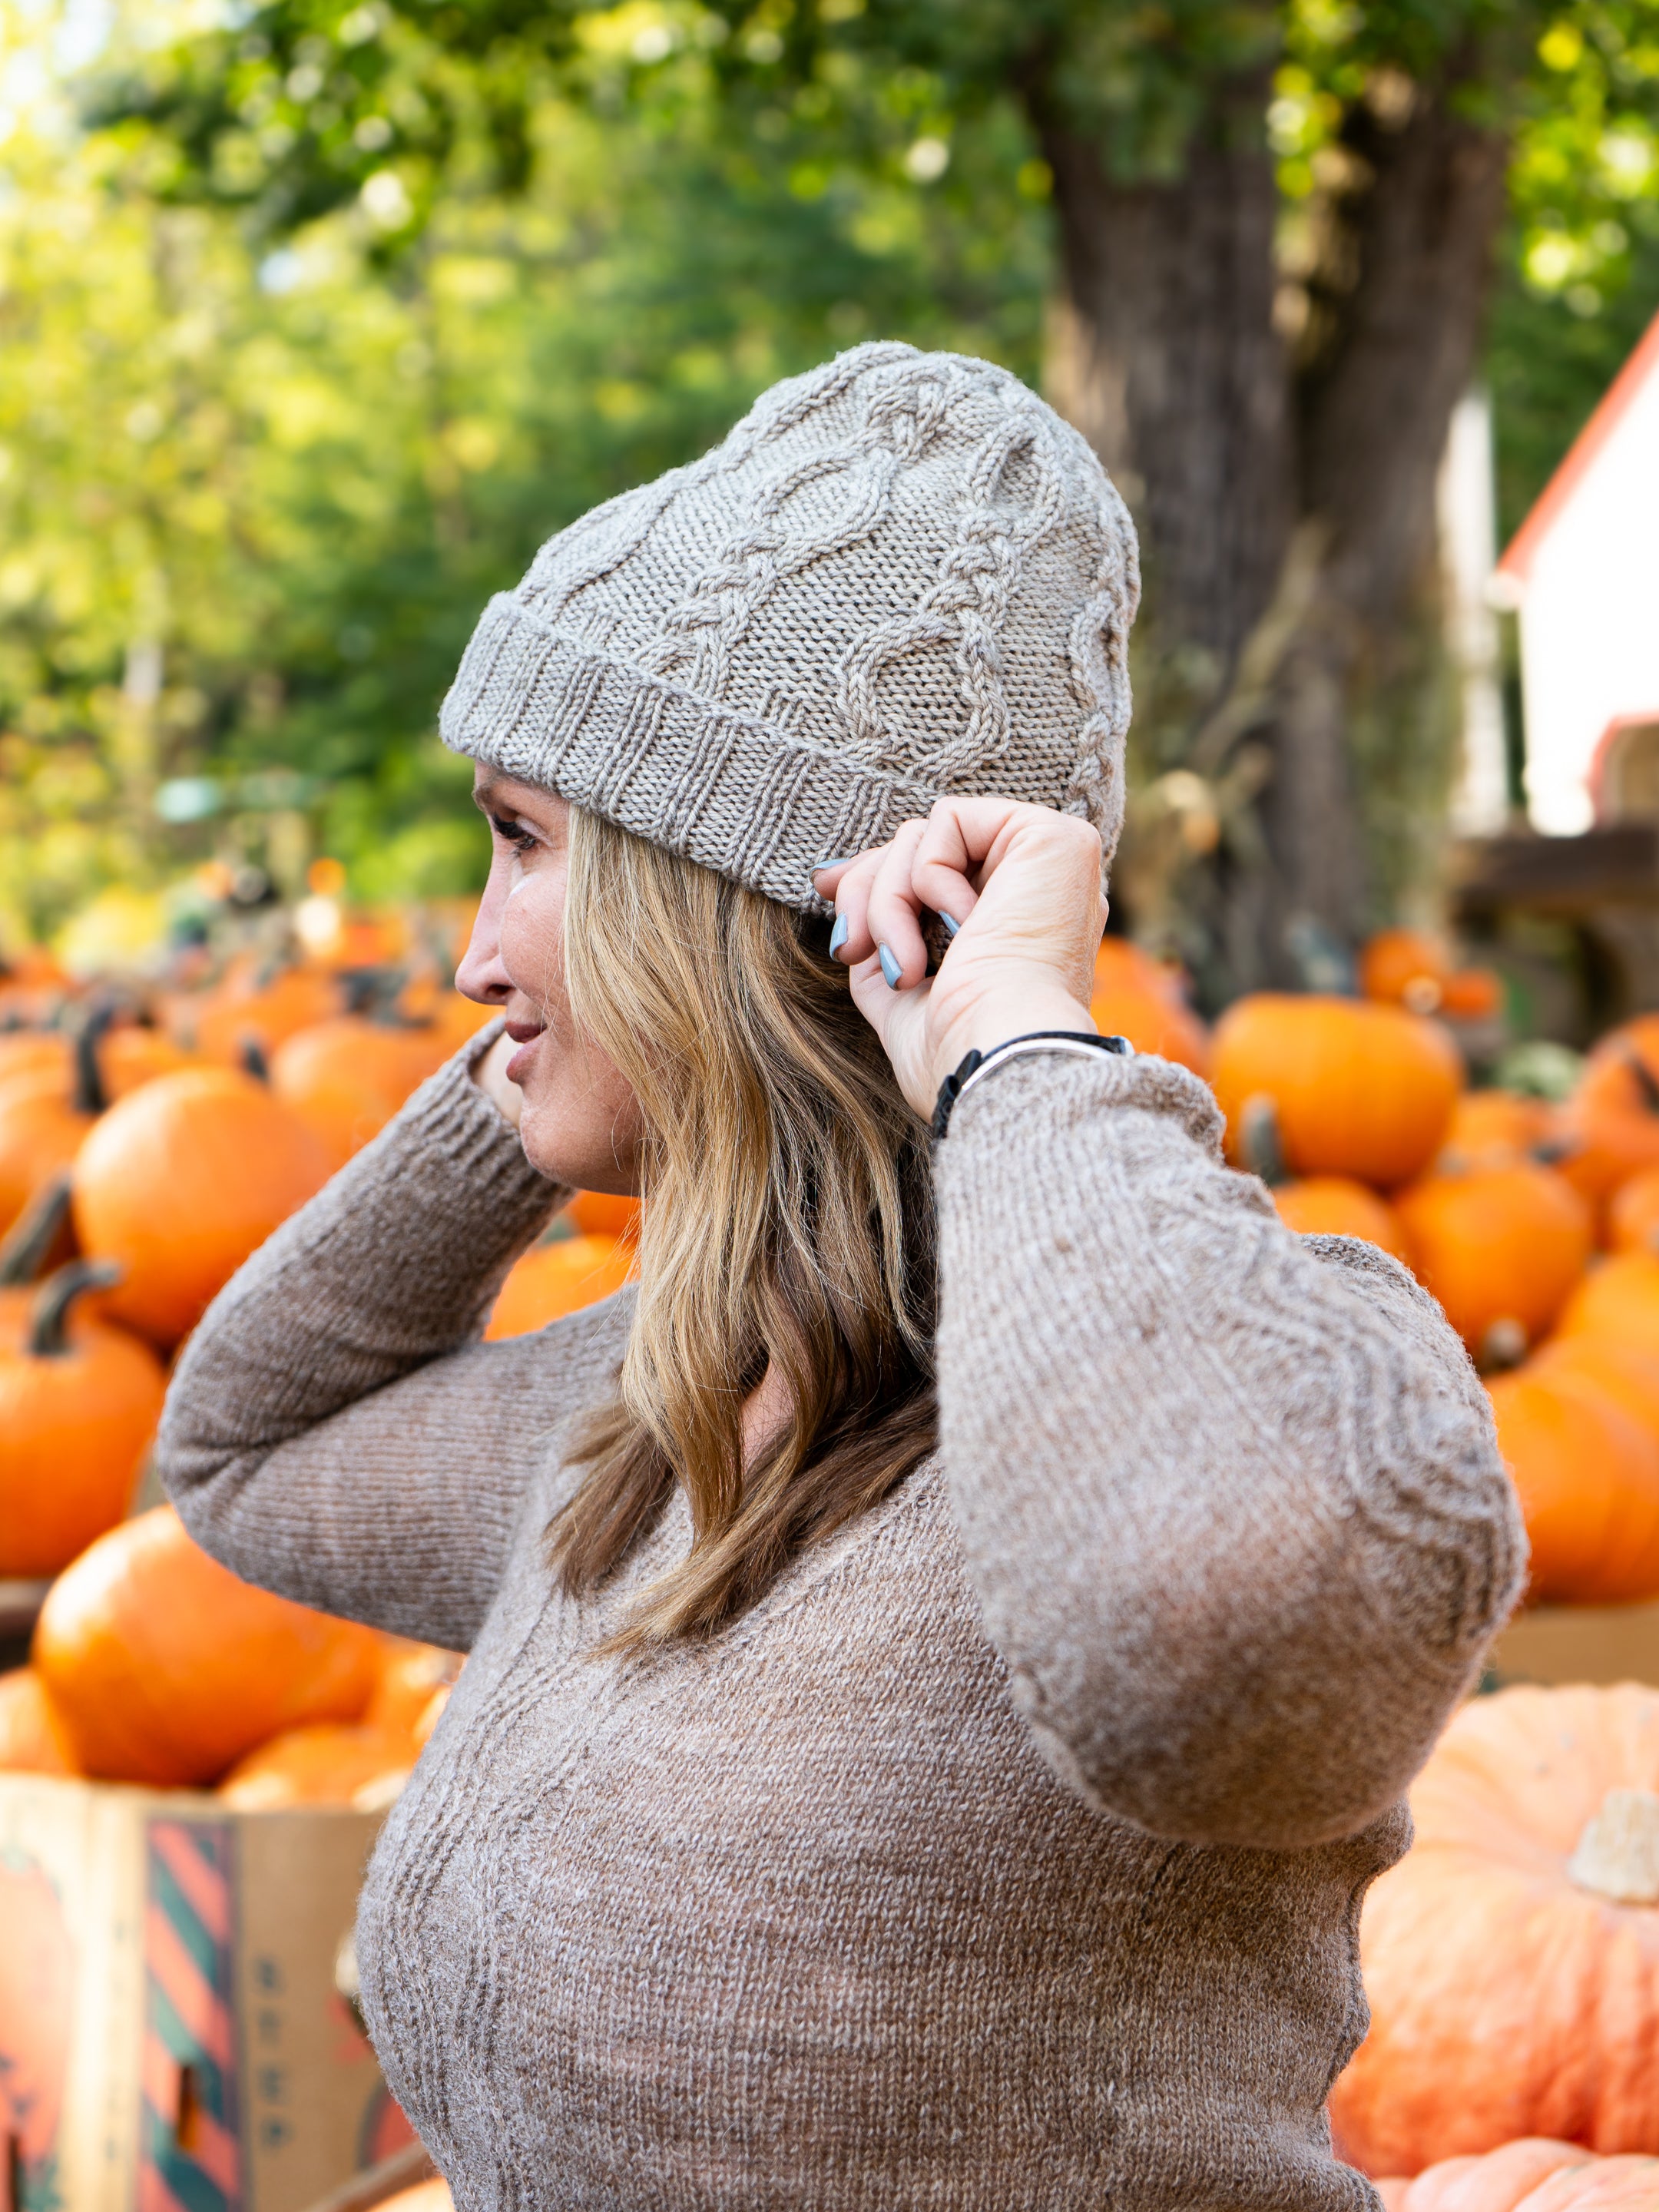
(481, 976)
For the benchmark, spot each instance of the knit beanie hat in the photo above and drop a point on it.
(900, 575)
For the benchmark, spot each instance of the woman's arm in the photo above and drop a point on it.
(333, 1431)
(1230, 1498)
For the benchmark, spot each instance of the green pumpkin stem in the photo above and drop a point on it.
(49, 1315)
(23, 1251)
(1260, 1150)
(90, 1095)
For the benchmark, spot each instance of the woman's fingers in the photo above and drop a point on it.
(893, 915)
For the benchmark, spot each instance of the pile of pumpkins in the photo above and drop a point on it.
(143, 1156)
(1536, 1225)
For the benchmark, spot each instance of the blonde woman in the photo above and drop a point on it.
(948, 1647)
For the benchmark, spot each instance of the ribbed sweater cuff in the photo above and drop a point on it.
(996, 1118)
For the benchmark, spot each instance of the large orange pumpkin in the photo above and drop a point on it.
(1612, 1116)
(252, 1009)
(345, 1078)
(32, 1737)
(603, 1213)
(1511, 1959)
(166, 1667)
(1618, 1300)
(1628, 1373)
(1496, 1129)
(1502, 1248)
(42, 1130)
(330, 1763)
(79, 1403)
(181, 1182)
(1633, 1214)
(1358, 1089)
(408, 1676)
(1136, 997)
(1336, 1206)
(1586, 1470)
(1531, 2175)
(556, 1278)
(1406, 967)
(425, 2196)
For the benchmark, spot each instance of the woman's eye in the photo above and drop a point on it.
(512, 833)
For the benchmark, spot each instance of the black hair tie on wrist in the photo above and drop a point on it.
(956, 1081)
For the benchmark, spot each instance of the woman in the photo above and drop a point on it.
(948, 1649)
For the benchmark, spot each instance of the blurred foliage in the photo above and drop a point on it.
(251, 496)
(343, 304)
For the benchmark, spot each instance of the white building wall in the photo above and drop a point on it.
(1590, 615)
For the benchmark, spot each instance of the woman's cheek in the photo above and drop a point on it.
(531, 938)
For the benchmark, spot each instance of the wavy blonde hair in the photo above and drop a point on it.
(788, 1225)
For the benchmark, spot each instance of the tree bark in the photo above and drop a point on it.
(1228, 445)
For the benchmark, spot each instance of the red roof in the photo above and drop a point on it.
(1643, 362)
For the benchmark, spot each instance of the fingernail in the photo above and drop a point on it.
(890, 967)
(951, 927)
(838, 935)
(840, 861)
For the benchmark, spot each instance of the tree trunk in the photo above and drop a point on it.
(1232, 449)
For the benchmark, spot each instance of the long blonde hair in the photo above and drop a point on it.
(788, 1224)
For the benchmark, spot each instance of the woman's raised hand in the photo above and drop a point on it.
(1020, 884)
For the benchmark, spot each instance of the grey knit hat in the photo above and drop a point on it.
(899, 576)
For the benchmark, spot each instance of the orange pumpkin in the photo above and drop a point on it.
(1501, 1248)
(181, 1182)
(1612, 1117)
(1511, 1959)
(1586, 1470)
(1627, 1373)
(42, 1130)
(1406, 967)
(601, 1213)
(32, 1052)
(557, 1279)
(1618, 1300)
(408, 1676)
(1358, 1089)
(1472, 994)
(330, 1763)
(1633, 1214)
(32, 1737)
(1139, 998)
(166, 1667)
(425, 2196)
(248, 1008)
(1335, 1205)
(1531, 2175)
(345, 1078)
(79, 1403)
(1495, 1128)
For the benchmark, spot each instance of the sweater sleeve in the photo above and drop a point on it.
(333, 1430)
(1230, 1498)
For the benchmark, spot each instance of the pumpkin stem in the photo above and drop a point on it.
(90, 1095)
(251, 1055)
(1646, 1082)
(50, 1312)
(1259, 1146)
(32, 1236)
(1503, 1345)
(1618, 1854)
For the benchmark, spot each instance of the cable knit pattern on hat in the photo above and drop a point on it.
(1007, 1855)
(900, 576)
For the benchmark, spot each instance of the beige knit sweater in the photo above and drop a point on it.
(1008, 1855)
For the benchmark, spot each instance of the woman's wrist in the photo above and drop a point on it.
(1001, 1015)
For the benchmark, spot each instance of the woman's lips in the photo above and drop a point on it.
(523, 1035)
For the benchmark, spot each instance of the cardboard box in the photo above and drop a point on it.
(1580, 1643)
(171, 2037)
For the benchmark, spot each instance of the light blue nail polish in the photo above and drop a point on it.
(838, 935)
(840, 861)
(951, 927)
(890, 967)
